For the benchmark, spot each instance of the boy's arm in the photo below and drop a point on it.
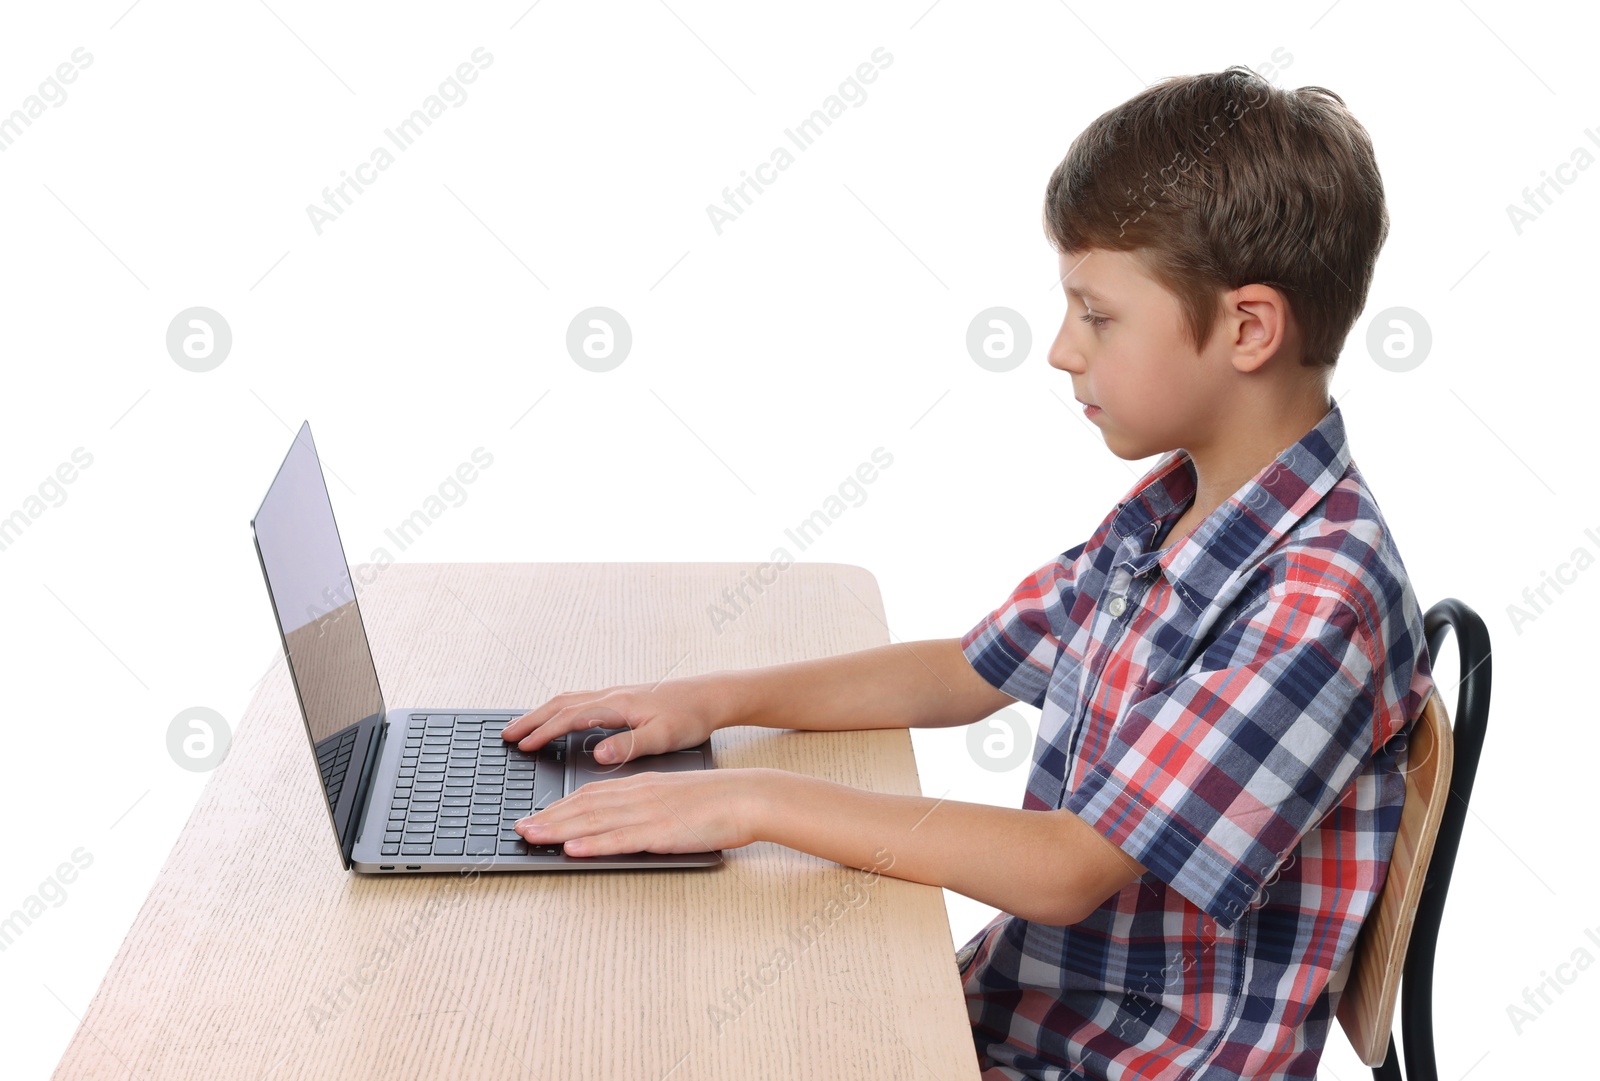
(925, 684)
(904, 685)
(1047, 866)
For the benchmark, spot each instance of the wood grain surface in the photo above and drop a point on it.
(1366, 1005)
(256, 956)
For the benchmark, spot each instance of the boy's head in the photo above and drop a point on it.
(1230, 230)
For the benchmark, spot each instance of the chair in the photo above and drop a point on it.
(1441, 762)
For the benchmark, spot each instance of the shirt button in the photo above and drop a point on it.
(1117, 605)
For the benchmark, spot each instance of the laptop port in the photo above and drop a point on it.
(386, 867)
(413, 866)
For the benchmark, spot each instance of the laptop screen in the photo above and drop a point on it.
(325, 642)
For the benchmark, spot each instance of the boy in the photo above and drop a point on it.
(1227, 667)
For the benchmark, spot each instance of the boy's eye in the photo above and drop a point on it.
(1099, 321)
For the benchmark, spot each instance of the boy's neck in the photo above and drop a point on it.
(1244, 447)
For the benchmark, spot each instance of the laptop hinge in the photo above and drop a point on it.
(358, 810)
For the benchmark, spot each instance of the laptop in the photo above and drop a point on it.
(412, 789)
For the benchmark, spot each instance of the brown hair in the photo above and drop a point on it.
(1220, 180)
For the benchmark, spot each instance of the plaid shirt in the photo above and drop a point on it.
(1225, 711)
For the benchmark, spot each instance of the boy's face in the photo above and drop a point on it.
(1153, 391)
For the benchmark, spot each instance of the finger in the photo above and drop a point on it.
(598, 806)
(571, 718)
(635, 741)
(648, 836)
(610, 843)
(548, 829)
(532, 719)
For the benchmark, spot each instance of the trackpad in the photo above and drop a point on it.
(587, 769)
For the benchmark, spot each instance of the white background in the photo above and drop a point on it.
(767, 363)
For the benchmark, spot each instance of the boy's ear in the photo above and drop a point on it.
(1261, 323)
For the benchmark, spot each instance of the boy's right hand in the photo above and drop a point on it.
(654, 718)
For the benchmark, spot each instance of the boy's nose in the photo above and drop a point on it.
(1064, 357)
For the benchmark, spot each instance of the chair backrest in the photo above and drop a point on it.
(1402, 931)
(1366, 1006)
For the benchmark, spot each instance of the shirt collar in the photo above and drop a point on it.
(1235, 535)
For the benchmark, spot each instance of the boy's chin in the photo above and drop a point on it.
(1133, 450)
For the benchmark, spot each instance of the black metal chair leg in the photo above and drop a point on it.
(1390, 1070)
(1468, 724)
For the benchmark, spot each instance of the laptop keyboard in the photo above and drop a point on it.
(462, 789)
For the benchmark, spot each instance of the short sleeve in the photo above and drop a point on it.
(1015, 646)
(1211, 782)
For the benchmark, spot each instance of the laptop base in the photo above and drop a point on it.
(450, 770)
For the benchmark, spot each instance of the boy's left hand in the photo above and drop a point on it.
(698, 811)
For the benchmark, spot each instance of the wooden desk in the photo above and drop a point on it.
(257, 957)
